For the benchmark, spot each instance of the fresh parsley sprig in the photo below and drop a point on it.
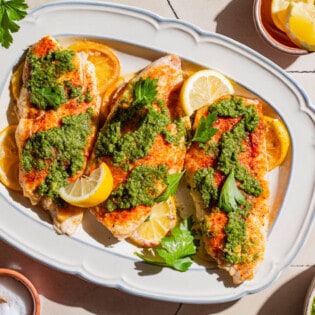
(230, 197)
(145, 91)
(10, 11)
(174, 251)
(172, 182)
(205, 130)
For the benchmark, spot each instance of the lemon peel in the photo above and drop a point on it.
(277, 141)
(9, 160)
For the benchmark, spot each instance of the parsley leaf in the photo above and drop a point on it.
(204, 130)
(53, 95)
(145, 91)
(10, 11)
(230, 196)
(175, 250)
(172, 182)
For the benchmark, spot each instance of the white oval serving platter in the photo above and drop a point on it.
(138, 37)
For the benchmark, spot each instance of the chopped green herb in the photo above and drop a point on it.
(60, 150)
(176, 138)
(140, 188)
(10, 11)
(234, 203)
(174, 251)
(147, 122)
(134, 145)
(205, 184)
(47, 89)
(229, 197)
(313, 307)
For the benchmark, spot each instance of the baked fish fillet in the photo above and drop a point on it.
(142, 142)
(58, 111)
(226, 174)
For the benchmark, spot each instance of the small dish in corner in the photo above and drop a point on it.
(309, 305)
(17, 294)
(270, 33)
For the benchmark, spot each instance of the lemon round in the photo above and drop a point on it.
(277, 141)
(203, 87)
(279, 11)
(300, 25)
(9, 159)
(106, 62)
(161, 220)
(17, 81)
(89, 191)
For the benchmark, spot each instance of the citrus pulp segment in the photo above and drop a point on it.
(203, 87)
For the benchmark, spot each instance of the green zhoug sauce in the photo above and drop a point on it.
(144, 123)
(148, 121)
(227, 153)
(313, 307)
(134, 145)
(204, 181)
(46, 91)
(60, 150)
(231, 142)
(140, 188)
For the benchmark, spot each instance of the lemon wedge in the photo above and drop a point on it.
(277, 141)
(161, 220)
(9, 160)
(89, 191)
(279, 11)
(300, 25)
(203, 87)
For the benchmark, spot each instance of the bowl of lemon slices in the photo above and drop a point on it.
(287, 25)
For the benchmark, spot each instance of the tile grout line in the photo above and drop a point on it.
(300, 71)
(178, 309)
(172, 8)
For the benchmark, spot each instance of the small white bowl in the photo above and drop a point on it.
(21, 286)
(269, 32)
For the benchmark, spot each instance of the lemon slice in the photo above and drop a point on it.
(9, 160)
(279, 11)
(107, 64)
(89, 191)
(161, 220)
(300, 25)
(203, 87)
(277, 141)
(16, 81)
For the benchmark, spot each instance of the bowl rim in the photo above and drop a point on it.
(28, 285)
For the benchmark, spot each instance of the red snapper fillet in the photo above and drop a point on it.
(226, 174)
(58, 110)
(142, 142)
